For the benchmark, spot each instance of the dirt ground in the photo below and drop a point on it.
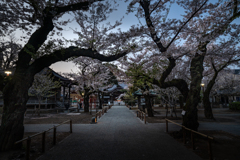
(54, 118)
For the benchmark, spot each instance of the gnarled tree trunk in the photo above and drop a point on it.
(190, 119)
(15, 99)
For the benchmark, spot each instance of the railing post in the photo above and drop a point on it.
(43, 141)
(192, 139)
(145, 118)
(70, 125)
(28, 148)
(184, 135)
(166, 125)
(96, 117)
(210, 149)
(137, 113)
(54, 135)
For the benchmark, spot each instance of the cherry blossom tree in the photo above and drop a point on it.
(203, 24)
(38, 20)
(43, 86)
(91, 77)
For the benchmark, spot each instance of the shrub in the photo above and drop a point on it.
(234, 106)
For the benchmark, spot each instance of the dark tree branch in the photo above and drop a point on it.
(64, 54)
(74, 7)
(145, 5)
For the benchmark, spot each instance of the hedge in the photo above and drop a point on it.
(234, 106)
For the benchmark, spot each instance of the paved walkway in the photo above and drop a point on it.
(118, 135)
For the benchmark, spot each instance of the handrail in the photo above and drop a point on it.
(28, 139)
(204, 135)
(192, 136)
(40, 132)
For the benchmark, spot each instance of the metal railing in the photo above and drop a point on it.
(192, 137)
(28, 139)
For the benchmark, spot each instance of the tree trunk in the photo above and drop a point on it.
(148, 105)
(206, 103)
(190, 119)
(15, 99)
(86, 102)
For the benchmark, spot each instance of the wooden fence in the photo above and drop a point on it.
(101, 112)
(28, 139)
(192, 137)
(142, 115)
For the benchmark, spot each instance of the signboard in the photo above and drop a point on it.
(106, 96)
(183, 112)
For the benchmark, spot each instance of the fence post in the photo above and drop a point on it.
(54, 135)
(166, 125)
(184, 135)
(137, 113)
(142, 116)
(210, 149)
(192, 139)
(28, 148)
(43, 141)
(70, 125)
(145, 118)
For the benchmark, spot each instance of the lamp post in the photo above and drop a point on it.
(8, 72)
(202, 84)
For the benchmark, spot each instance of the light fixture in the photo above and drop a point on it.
(8, 72)
(202, 84)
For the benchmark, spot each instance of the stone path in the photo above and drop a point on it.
(118, 135)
